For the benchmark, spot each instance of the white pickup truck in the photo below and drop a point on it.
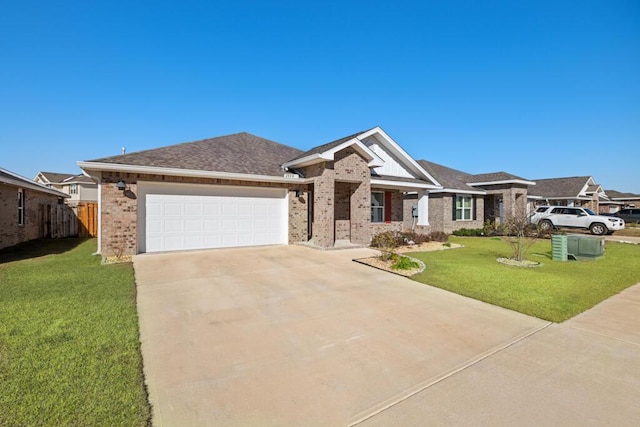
(549, 217)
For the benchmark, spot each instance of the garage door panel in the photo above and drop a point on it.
(208, 220)
(193, 225)
(193, 209)
(174, 225)
(172, 209)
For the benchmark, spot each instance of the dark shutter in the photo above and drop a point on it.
(387, 206)
(453, 207)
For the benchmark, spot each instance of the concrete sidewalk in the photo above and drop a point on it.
(294, 336)
(585, 371)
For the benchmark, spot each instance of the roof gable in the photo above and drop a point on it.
(326, 152)
(52, 177)
(386, 158)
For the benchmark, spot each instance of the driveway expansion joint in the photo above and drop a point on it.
(389, 403)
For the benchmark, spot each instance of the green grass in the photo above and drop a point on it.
(69, 344)
(556, 291)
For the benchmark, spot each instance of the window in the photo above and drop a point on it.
(377, 207)
(464, 206)
(20, 207)
(73, 189)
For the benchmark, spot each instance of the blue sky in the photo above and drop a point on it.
(536, 88)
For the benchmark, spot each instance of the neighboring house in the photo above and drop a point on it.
(467, 200)
(580, 191)
(80, 188)
(622, 200)
(244, 190)
(24, 207)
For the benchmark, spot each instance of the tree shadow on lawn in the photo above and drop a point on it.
(39, 248)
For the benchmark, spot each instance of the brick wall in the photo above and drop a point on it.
(298, 217)
(350, 166)
(342, 211)
(10, 232)
(119, 210)
(341, 199)
(441, 213)
(397, 213)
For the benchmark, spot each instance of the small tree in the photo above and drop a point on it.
(519, 233)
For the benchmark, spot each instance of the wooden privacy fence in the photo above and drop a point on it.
(55, 221)
(87, 220)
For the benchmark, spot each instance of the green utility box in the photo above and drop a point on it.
(559, 247)
(585, 246)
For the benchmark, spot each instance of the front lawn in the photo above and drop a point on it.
(556, 291)
(69, 345)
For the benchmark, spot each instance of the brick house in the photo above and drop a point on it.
(467, 200)
(581, 191)
(617, 200)
(244, 190)
(23, 208)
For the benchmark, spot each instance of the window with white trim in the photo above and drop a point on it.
(464, 208)
(377, 206)
(73, 188)
(20, 206)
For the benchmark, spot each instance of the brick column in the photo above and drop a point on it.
(323, 209)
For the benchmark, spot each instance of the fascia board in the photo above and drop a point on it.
(399, 152)
(17, 182)
(400, 184)
(329, 155)
(306, 161)
(95, 166)
(453, 190)
(506, 181)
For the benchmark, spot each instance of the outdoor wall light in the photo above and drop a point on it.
(121, 185)
(299, 192)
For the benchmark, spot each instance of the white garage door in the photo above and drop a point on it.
(183, 217)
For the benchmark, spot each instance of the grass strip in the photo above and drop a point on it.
(556, 291)
(69, 343)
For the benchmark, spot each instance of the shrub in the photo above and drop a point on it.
(472, 232)
(415, 238)
(387, 242)
(405, 263)
(438, 236)
(489, 228)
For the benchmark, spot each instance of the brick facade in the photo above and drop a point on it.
(341, 199)
(119, 210)
(397, 213)
(34, 201)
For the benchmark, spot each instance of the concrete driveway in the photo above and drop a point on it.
(289, 335)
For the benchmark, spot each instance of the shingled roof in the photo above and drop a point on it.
(55, 177)
(9, 178)
(559, 187)
(242, 153)
(64, 178)
(450, 179)
(495, 177)
(328, 146)
(613, 194)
